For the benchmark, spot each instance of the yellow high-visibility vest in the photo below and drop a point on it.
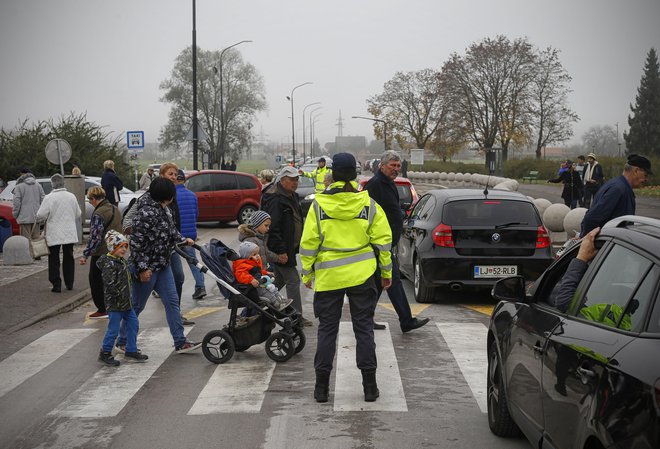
(341, 232)
(319, 176)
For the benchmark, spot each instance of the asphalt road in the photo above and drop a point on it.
(55, 394)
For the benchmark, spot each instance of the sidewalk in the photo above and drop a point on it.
(26, 298)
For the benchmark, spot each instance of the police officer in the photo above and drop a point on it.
(342, 229)
(318, 174)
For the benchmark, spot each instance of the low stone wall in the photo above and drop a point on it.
(562, 222)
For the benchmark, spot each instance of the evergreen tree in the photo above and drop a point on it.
(644, 134)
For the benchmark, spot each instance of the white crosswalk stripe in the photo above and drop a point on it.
(467, 343)
(242, 384)
(19, 367)
(109, 390)
(238, 386)
(349, 396)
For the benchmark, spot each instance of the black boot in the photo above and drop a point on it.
(322, 386)
(369, 385)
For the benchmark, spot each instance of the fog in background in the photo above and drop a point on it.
(107, 58)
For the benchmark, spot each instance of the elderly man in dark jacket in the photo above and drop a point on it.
(616, 198)
(382, 189)
(280, 201)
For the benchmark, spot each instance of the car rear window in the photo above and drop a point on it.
(246, 183)
(405, 195)
(489, 212)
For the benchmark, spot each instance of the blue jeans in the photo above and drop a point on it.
(163, 282)
(177, 272)
(197, 274)
(396, 294)
(116, 319)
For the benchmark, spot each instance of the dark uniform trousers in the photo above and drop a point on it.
(328, 305)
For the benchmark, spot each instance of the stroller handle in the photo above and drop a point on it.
(184, 254)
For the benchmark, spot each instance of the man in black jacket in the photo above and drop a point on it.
(382, 189)
(280, 201)
(111, 182)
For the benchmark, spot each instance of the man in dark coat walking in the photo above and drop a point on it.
(382, 189)
(111, 183)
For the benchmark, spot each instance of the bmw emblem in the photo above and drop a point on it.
(496, 237)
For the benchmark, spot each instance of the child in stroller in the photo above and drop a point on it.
(219, 345)
(255, 282)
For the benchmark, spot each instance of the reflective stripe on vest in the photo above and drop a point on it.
(345, 261)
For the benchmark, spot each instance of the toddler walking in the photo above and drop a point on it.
(117, 295)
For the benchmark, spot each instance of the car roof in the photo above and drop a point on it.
(471, 194)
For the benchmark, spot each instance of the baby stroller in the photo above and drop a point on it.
(219, 345)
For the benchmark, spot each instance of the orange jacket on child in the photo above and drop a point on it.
(242, 268)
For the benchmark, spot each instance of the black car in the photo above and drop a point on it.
(588, 377)
(467, 238)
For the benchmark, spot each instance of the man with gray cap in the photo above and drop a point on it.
(60, 211)
(28, 196)
(616, 198)
(281, 203)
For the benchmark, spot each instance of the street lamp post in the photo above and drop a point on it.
(194, 86)
(303, 126)
(311, 140)
(617, 138)
(222, 101)
(377, 120)
(293, 128)
(311, 126)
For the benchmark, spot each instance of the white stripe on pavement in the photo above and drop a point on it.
(467, 342)
(19, 367)
(236, 386)
(109, 390)
(349, 396)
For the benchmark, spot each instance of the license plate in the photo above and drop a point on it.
(494, 271)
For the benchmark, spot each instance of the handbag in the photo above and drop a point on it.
(38, 246)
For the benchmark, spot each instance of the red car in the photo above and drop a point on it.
(225, 195)
(407, 194)
(6, 208)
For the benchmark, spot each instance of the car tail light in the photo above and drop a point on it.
(442, 236)
(542, 238)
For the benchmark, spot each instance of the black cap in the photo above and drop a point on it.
(180, 176)
(322, 159)
(343, 161)
(25, 170)
(640, 161)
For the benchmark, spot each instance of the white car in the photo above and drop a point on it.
(125, 195)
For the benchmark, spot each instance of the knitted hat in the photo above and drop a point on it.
(257, 218)
(246, 249)
(114, 240)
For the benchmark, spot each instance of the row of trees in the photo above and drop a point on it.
(230, 93)
(499, 93)
(91, 144)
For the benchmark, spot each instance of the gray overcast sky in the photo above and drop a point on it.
(107, 58)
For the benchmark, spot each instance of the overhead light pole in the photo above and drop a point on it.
(311, 125)
(194, 86)
(222, 101)
(311, 140)
(617, 138)
(377, 120)
(303, 127)
(293, 128)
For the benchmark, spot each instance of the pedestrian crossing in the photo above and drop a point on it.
(242, 384)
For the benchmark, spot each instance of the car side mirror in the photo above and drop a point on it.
(509, 289)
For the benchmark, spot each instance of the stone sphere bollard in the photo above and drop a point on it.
(553, 217)
(16, 251)
(541, 204)
(573, 221)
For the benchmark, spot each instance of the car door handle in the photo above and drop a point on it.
(586, 375)
(538, 348)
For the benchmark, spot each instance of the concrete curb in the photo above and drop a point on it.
(65, 306)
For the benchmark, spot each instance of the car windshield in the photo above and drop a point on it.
(305, 182)
(489, 212)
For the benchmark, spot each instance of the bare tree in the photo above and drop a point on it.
(413, 106)
(551, 116)
(602, 140)
(242, 96)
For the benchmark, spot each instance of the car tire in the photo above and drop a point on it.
(499, 419)
(423, 293)
(245, 213)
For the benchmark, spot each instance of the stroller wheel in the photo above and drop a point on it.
(299, 340)
(218, 346)
(280, 347)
